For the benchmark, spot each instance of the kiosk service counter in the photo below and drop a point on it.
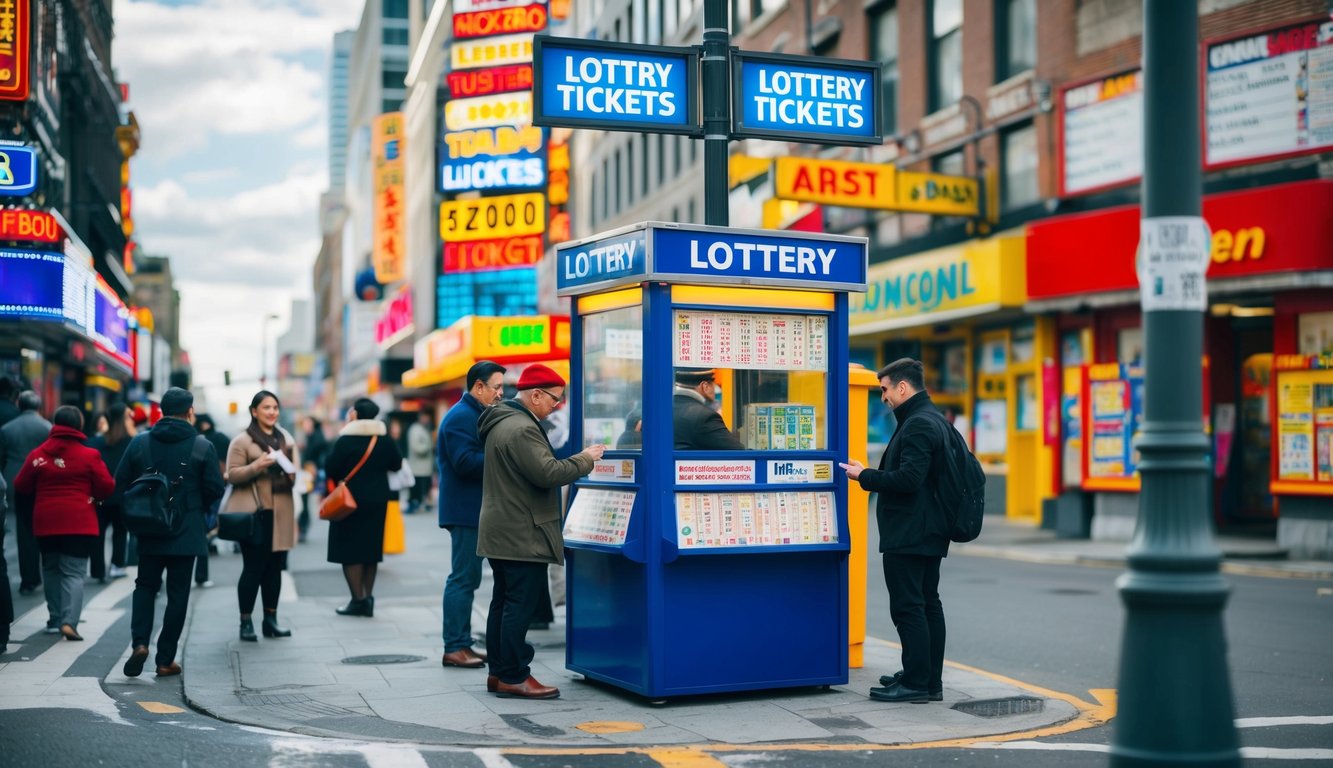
(705, 571)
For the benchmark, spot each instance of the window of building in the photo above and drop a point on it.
(395, 9)
(394, 36)
(945, 49)
(692, 211)
(1015, 38)
(951, 164)
(615, 164)
(677, 154)
(745, 11)
(629, 171)
(643, 154)
(393, 80)
(884, 47)
(1019, 185)
(606, 189)
(661, 159)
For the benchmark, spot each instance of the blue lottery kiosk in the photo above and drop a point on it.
(707, 571)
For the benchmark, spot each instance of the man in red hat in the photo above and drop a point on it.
(519, 529)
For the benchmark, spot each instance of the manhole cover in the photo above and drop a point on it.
(1017, 705)
(386, 658)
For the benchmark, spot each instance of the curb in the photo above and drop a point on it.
(1235, 567)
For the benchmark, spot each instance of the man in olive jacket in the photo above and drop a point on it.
(176, 449)
(911, 531)
(520, 526)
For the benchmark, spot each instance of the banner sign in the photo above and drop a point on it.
(834, 182)
(390, 222)
(25, 224)
(500, 21)
(615, 86)
(32, 285)
(15, 37)
(488, 111)
(711, 255)
(491, 218)
(806, 99)
(18, 169)
(937, 194)
(523, 170)
(485, 82)
(1270, 94)
(1101, 135)
(491, 51)
(487, 255)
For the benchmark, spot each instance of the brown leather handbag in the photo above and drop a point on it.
(339, 503)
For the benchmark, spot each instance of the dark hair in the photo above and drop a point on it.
(29, 400)
(202, 420)
(115, 423)
(68, 416)
(259, 398)
(905, 369)
(365, 408)
(7, 388)
(482, 370)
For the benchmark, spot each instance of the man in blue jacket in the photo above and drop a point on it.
(460, 455)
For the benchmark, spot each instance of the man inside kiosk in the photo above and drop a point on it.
(697, 426)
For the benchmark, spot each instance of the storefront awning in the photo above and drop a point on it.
(445, 355)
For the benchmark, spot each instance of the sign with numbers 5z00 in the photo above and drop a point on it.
(493, 217)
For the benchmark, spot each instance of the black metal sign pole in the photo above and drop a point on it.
(715, 83)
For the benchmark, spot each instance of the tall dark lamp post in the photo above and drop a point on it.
(716, 80)
(1175, 703)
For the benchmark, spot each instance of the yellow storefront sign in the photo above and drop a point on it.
(445, 355)
(937, 194)
(491, 51)
(835, 182)
(941, 285)
(490, 218)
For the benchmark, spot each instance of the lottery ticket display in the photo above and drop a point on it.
(599, 516)
(751, 341)
(762, 519)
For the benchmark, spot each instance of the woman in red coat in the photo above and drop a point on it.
(67, 479)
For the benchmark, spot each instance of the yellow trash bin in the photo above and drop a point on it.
(395, 537)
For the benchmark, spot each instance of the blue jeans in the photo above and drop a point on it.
(464, 578)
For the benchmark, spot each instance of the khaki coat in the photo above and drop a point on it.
(254, 488)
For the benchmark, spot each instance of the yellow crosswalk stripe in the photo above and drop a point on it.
(683, 758)
(159, 708)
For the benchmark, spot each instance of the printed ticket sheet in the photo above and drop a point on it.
(599, 516)
(767, 518)
(751, 341)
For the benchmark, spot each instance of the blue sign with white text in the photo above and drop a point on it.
(612, 258)
(32, 284)
(807, 98)
(18, 169)
(522, 169)
(721, 255)
(613, 86)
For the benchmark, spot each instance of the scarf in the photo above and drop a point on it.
(281, 481)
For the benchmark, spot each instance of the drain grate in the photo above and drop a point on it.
(1016, 705)
(384, 658)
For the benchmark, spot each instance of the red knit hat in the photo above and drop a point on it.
(139, 415)
(538, 376)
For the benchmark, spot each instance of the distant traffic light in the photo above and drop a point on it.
(226, 379)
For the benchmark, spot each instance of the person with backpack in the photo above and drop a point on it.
(913, 530)
(66, 480)
(167, 481)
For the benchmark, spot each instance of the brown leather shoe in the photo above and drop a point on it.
(463, 657)
(492, 683)
(171, 669)
(528, 689)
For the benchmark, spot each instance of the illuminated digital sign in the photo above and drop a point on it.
(500, 21)
(483, 255)
(489, 218)
(485, 82)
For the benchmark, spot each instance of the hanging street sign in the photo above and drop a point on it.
(615, 86)
(938, 194)
(808, 99)
(834, 182)
(18, 169)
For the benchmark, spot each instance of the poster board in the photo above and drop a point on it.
(599, 516)
(1302, 425)
(751, 341)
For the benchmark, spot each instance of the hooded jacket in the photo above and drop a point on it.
(185, 453)
(521, 481)
(68, 479)
(908, 512)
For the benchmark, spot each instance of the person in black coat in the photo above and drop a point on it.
(172, 442)
(357, 541)
(697, 426)
(112, 446)
(312, 460)
(911, 529)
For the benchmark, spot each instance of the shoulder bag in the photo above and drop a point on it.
(339, 503)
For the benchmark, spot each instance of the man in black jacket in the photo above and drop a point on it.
(697, 426)
(174, 448)
(910, 531)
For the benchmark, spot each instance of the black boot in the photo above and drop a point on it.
(370, 606)
(270, 626)
(357, 607)
(248, 630)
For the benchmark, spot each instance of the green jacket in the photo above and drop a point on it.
(520, 487)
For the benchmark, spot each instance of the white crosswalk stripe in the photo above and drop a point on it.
(1252, 753)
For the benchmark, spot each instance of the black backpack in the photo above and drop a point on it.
(961, 486)
(154, 505)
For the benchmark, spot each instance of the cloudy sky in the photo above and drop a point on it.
(232, 101)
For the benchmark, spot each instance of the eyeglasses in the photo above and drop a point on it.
(554, 399)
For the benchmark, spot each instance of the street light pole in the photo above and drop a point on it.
(263, 352)
(716, 84)
(1175, 702)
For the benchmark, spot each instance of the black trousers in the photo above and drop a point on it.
(146, 586)
(519, 587)
(6, 597)
(918, 614)
(30, 558)
(109, 517)
(261, 567)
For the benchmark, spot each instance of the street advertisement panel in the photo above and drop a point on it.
(485, 82)
(523, 169)
(491, 51)
(1101, 134)
(1270, 94)
(111, 323)
(492, 218)
(486, 111)
(499, 21)
(32, 284)
(15, 39)
(37, 285)
(615, 86)
(834, 182)
(390, 220)
(18, 169)
(1112, 413)
(30, 225)
(806, 99)
(501, 253)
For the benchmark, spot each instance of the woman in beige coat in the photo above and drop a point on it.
(262, 487)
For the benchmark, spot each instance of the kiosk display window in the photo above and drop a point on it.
(755, 519)
(613, 378)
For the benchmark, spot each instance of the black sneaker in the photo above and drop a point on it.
(888, 680)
